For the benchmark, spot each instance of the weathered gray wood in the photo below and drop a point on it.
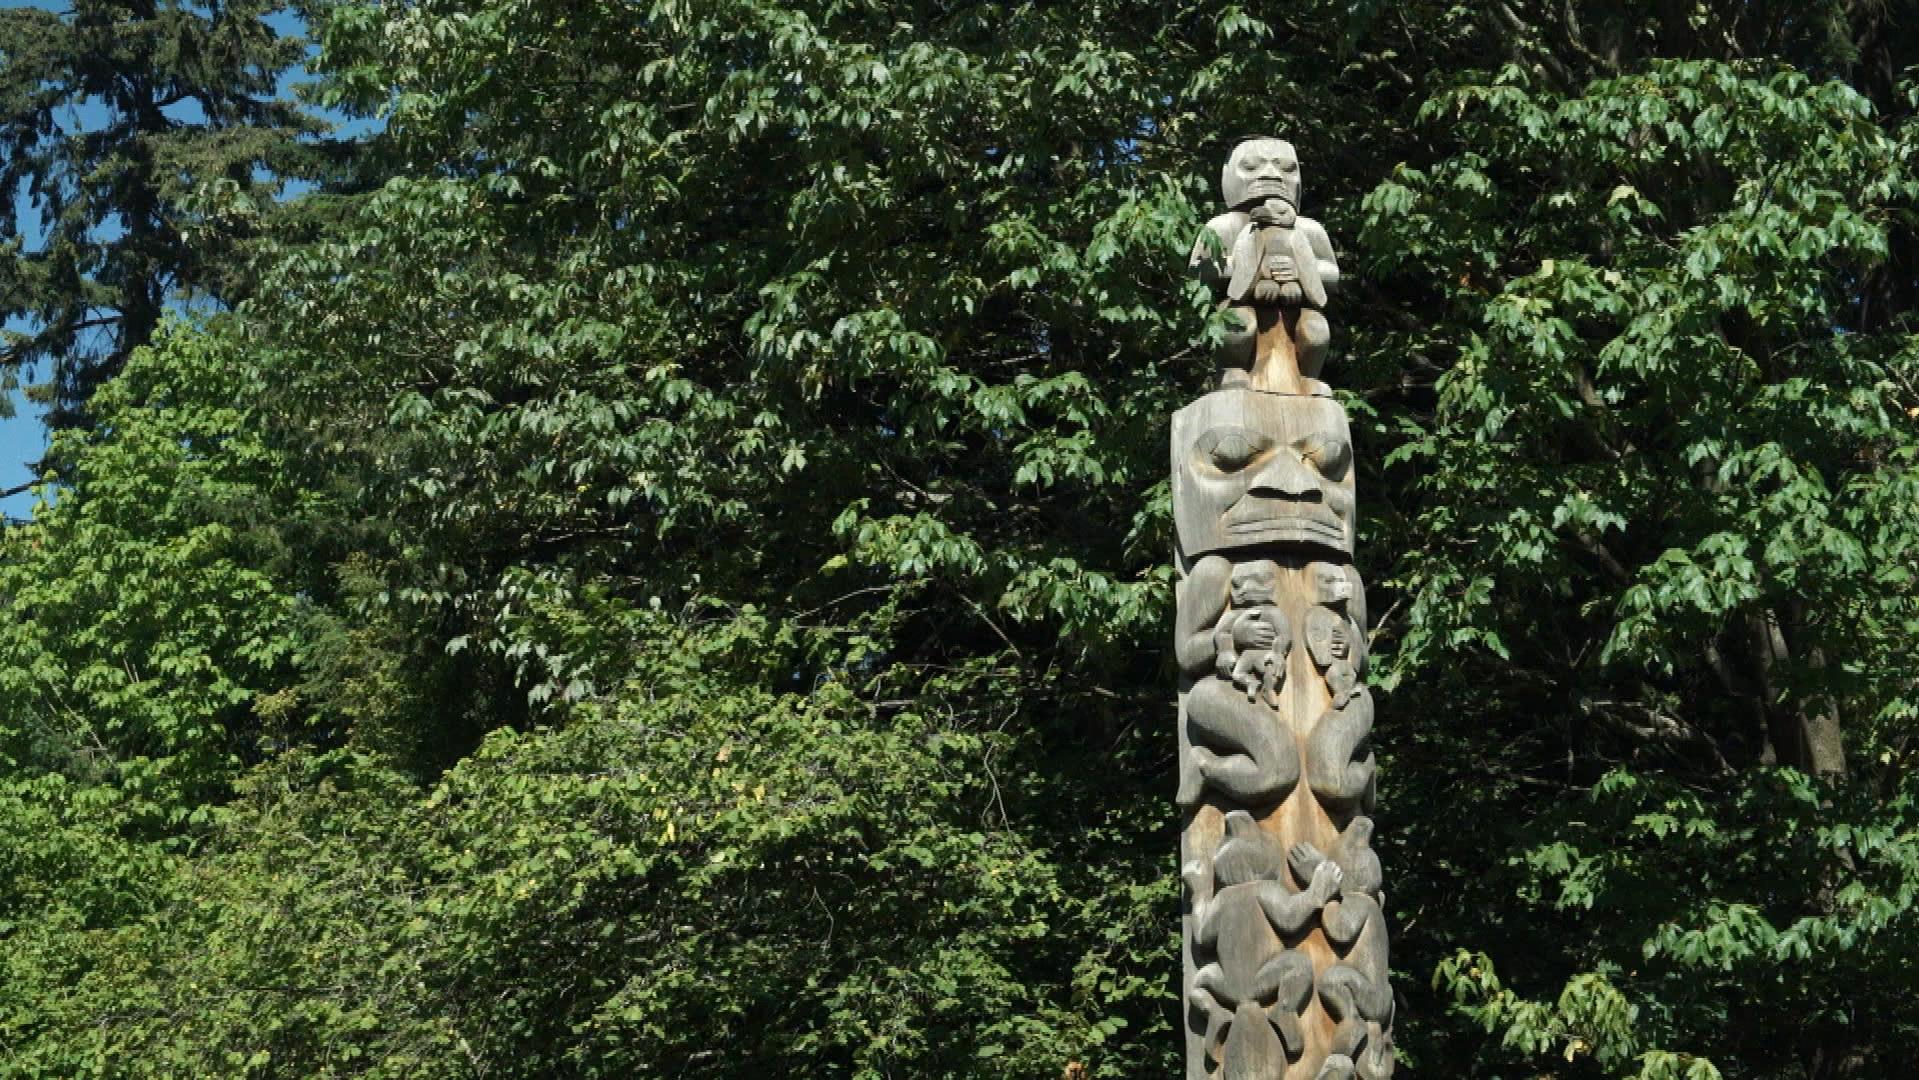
(1286, 961)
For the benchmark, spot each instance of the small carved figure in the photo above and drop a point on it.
(1340, 767)
(1331, 634)
(1263, 256)
(1362, 1011)
(1257, 987)
(1254, 638)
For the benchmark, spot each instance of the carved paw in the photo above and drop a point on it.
(1325, 882)
(1196, 877)
(1254, 633)
(1192, 779)
(1304, 858)
(1336, 1067)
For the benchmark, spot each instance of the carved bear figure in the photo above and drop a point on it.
(1236, 746)
(1356, 991)
(1257, 987)
(1353, 853)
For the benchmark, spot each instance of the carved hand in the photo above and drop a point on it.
(1254, 634)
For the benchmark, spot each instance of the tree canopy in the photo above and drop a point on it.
(139, 142)
(667, 573)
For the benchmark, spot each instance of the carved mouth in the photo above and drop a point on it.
(1257, 510)
(1293, 528)
(1258, 518)
(1270, 189)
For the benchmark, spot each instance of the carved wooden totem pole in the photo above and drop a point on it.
(1285, 940)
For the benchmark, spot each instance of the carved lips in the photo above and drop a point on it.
(1252, 468)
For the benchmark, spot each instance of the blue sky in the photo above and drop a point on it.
(23, 437)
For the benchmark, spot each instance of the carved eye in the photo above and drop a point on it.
(1233, 451)
(1329, 456)
(1230, 449)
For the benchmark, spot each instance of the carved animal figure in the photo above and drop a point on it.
(1354, 855)
(1356, 992)
(1236, 746)
(1375, 1058)
(1340, 766)
(1257, 987)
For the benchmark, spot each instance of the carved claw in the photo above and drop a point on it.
(1336, 1067)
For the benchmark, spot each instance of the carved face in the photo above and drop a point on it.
(1254, 583)
(1253, 469)
(1260, 169)
(1331, 586)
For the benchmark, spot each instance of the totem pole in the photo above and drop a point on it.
(1285, 935)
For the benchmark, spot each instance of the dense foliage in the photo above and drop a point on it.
(672, 579)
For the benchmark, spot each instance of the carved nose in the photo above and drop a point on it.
(1287, 475)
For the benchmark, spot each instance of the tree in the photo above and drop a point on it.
(142, 139)
(1655, 507)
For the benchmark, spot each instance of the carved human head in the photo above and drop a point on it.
(1260, 169)
(1255, 470)
(1255, 583)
